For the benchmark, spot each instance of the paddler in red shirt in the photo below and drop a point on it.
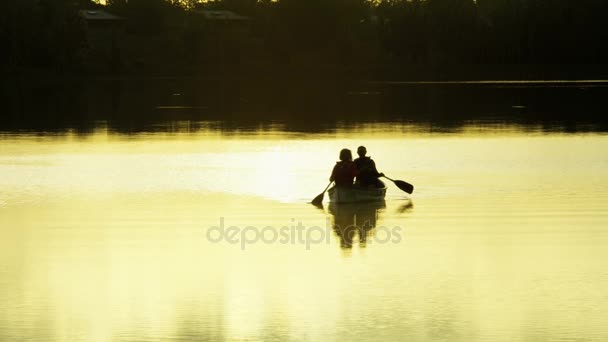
(345, 171)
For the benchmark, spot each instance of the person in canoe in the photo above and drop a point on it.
(368, 174)
(345, 170)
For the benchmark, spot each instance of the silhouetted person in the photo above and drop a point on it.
(345, 170)
(368, 174)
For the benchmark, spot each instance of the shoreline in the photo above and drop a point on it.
(471, 74)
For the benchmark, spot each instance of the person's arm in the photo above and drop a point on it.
(374, 170)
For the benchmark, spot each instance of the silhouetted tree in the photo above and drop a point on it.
(47, 33)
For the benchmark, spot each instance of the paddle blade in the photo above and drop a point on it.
(405, 186)
(318, 200)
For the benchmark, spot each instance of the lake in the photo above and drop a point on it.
(195, 232)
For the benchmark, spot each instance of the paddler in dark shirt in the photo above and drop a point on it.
(368, 174)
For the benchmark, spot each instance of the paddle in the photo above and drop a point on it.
(319, 199)
(405, 186)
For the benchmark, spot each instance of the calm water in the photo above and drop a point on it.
(110, 237)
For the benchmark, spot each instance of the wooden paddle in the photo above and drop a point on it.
(319, 199)
(405, 186)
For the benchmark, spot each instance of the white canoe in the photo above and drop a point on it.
(356, 194)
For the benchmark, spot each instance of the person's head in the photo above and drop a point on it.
(361, 151)
(346, 155)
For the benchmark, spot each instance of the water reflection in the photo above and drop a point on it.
(355, 220)
(102, 237)
(405, 207)
(135, 106)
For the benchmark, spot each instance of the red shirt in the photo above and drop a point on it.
(344, 173)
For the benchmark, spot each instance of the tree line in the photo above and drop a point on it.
(49, 33)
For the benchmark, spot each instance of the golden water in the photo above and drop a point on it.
(106, 237)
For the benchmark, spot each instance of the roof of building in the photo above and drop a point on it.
(98, 15)
(221, 15)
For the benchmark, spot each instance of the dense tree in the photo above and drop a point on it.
(42, 33)
(402, 32)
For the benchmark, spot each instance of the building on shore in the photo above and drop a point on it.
(104, 32)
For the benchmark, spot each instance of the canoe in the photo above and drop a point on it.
(356, 194)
